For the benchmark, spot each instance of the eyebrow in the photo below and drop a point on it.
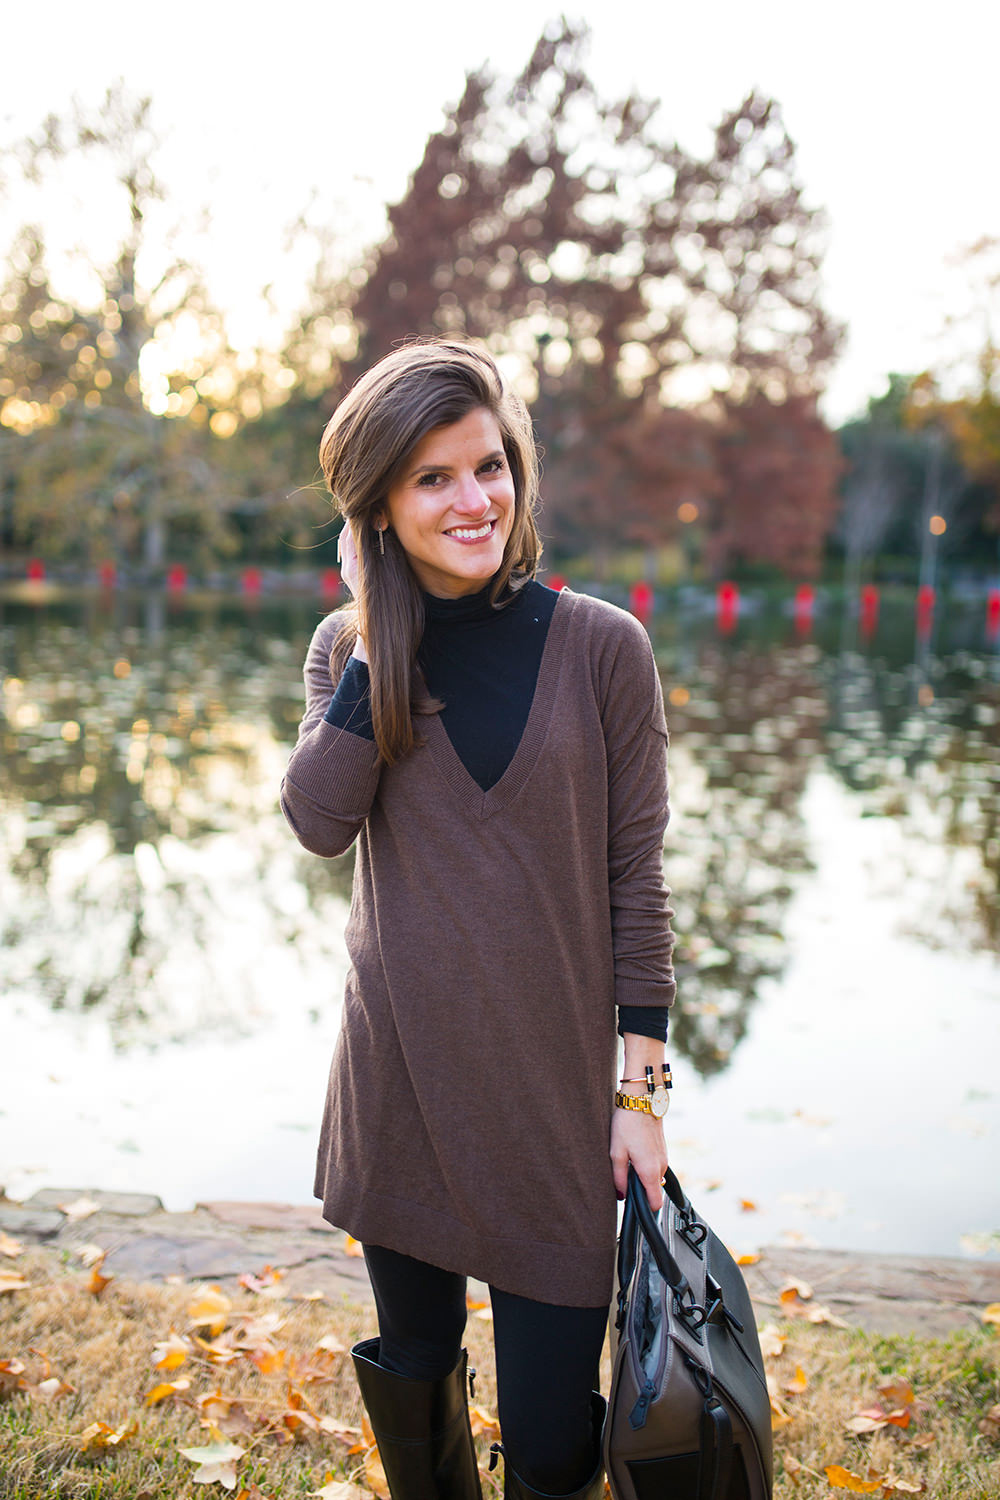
(446, 468)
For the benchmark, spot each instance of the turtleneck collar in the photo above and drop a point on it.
(468, 607)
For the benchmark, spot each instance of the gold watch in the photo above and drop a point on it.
(655, 1101)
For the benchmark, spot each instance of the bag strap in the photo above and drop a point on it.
(639, 1218)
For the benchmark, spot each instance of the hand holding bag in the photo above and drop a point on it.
(689, 1416)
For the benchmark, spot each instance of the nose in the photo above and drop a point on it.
(470, 500)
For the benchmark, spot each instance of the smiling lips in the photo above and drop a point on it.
(472, 533)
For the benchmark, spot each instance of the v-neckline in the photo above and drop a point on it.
(465, 788)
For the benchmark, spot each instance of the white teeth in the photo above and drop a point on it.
(467, 534)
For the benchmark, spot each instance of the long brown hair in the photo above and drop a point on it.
(423, 385)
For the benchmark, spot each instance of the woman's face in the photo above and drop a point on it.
(453, 508)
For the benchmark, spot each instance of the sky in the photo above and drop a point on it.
(267, 110)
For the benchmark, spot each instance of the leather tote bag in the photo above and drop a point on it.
(689, 1417)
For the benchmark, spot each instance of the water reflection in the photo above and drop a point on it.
(146, 874)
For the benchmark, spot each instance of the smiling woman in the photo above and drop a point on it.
(508, 899)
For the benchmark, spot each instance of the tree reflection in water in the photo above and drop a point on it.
(146, 873)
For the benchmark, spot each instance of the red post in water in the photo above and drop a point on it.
(925, 609)
(329, 584)
(557, 582)
(251, 582)
(805, 603)
(176, 578)
(869, 610)
(993, 615)
(640, 601)
(106, 575)
(36, 570)
(727, 607)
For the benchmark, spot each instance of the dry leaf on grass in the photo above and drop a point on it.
(771, 1341)
(989, 1426)
(11, 1377)
(483, 1423)
(749, 1259)
(216, 1463)
(266, 1284)
(9, 1246)
(98, 1281)
(210, 1309)
(12, 1281)
(100, 1435)
(779, 1416)
(798, 1383)
(53, 1387)
(340, 1489)
(991, 1315)
(886, 1484)
(353, 1247)
(167, 1388)
(332, 1345)
(171, 1353)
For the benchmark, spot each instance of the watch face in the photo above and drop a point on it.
(659, 1101)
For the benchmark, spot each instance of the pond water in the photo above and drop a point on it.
(172, 961)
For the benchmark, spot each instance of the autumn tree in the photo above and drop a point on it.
(116, 403)
(642, 294)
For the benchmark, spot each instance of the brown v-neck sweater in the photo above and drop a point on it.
(491, 936)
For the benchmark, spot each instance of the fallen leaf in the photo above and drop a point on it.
(991, 1314)
(926, 1439)
(80, 1208)
(98, 1281)
(268, 1361)
(100, 1435)
(340, 1489)
(11, 1377)
(771, 1341)
(167, 1388)
(267, 1284)
(748, 1206)
(53, 1387)
(353, 1247)
(91, 1255)
(748, 1260)
(485, 1314)
(218, 1354)
(896, 1392)
(9, 1246)
(483, 1423)
(332, 1344)
(314, 1296)
(798, 1288)
(794, 1304)
(337, 1429)
(989, 1426)
(216, 1463)
(798, 1383)
(171, 1353)
(210, 1310)
(779, 1416)
(375, 1475)
(843, 1479)
(893, 1486)
(12, 1281)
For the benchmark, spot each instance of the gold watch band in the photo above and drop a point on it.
(634, 1101)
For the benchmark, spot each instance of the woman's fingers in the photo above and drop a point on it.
(638, 1139)
(347, 552)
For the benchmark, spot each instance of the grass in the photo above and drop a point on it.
(102, 1346)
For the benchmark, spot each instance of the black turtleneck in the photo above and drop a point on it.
(482, 662)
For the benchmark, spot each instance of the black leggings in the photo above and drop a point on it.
(547, 1359)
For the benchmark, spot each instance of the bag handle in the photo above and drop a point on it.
(639, 1218)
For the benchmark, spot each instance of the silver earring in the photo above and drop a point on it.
(381, 541)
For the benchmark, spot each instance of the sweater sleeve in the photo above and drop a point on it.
(330, 782)
(635, 733)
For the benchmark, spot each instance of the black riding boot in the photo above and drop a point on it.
(422, 1429)
(515, 1488)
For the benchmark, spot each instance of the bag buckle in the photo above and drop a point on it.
(691, 1230)
(690, 1313)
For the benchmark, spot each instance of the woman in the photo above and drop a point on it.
(499, 752)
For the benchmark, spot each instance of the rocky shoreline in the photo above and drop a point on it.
(220, 1241)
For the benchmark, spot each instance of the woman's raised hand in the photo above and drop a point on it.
(347, 556)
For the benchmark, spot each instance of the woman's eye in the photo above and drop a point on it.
(492, 466)
(428, 481)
